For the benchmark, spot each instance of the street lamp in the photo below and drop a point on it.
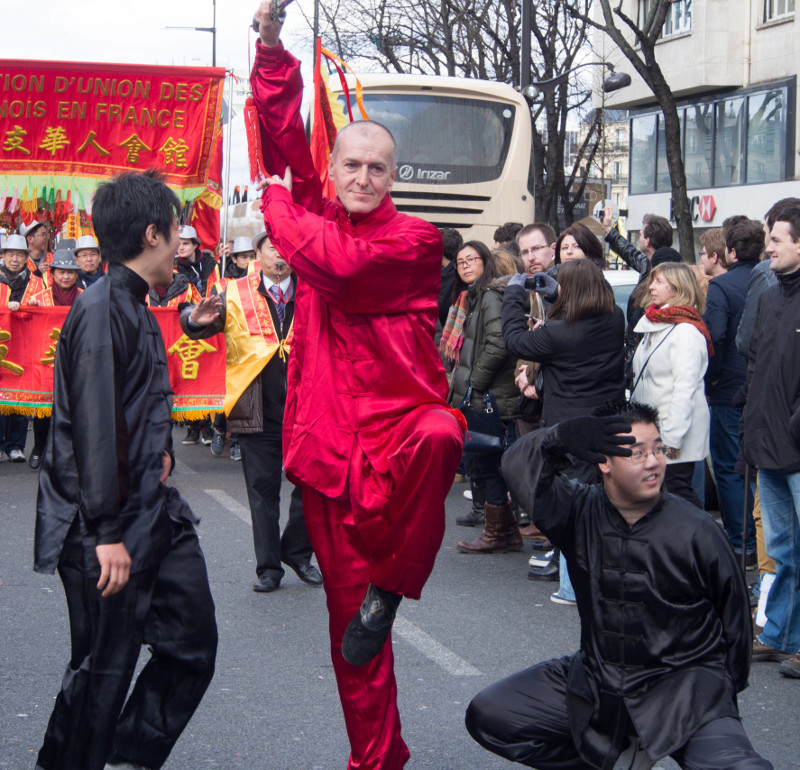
(212, 29)
(613, 82)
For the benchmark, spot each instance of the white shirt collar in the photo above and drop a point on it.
(284, 284)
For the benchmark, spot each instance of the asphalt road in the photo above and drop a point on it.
(272, 704)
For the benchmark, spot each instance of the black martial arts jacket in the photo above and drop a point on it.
(111, 424)
(665, 618)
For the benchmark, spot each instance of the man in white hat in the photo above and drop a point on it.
(36, 234)
(87, 255)
(197, 265)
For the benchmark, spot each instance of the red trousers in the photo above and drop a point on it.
(385, 530)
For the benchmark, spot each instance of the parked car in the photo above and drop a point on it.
(623, 282)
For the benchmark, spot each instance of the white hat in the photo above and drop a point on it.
(86, 242)
(189, 234)
(28, 230)
(242, 243)
(15, 243)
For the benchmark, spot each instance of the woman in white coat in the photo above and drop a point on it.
(668, 370)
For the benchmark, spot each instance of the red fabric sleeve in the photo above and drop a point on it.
(277, 92)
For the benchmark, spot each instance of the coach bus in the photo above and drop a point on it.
(463, 148)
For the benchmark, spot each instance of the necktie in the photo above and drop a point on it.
(277, 295)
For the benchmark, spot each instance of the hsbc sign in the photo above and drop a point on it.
(702, 207)
(706, 208)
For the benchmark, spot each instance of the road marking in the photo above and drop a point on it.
(433, 650)
(412, 633)
(231, 504)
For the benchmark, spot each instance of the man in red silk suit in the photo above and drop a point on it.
(367, 433)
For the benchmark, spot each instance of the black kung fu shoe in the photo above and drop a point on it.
(368, 630)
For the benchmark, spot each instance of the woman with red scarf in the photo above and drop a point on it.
(668, 370)
(62, 292)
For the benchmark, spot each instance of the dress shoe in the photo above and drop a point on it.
(35, 460)
(266, 584)
(308, 573)
(549, 573)
(791, 666)
(368, 631)
(763, 653)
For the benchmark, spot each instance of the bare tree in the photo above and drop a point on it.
(481, 39)
(639, 50)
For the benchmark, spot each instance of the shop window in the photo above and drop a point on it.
(698, 146)
(765, 121)
(663, 183)
(729, 156)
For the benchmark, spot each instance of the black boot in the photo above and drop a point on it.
(477, 516)
(548, 573)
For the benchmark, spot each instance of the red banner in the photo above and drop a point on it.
(88, 119)
(28, 341)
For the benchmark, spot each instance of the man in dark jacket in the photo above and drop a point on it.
(256, 313)
(124, 544)
(665, 622)
(772, 437)
(744, 242)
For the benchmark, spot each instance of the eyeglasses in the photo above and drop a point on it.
(532, 250)
(466, 262)
(639, 456)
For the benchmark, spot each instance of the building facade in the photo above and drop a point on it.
(732, 65)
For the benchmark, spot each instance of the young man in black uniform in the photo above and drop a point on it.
(124, 544)
(666, 633)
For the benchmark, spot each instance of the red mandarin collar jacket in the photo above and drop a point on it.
(366, 304)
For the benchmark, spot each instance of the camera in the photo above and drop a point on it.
(535, 282)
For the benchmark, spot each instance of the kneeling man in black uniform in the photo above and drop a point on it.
(124, 544)
(666, 633)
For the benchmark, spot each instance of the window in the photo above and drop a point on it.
(776, 9)
(643, 154)
(765, 122)
(729, 156)
(733, 140)
(679, 15)
(699, 143)
(619, 139)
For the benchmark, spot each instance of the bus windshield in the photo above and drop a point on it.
(444, 140)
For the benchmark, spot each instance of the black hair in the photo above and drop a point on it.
(507, 232)
(126, 206)
(452, 242)
(789, 213)
(776, 207)
(490, 271)
(629, 412)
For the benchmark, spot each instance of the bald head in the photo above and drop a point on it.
(365, 128)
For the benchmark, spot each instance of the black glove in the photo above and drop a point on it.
(794, 430)
(592, 439)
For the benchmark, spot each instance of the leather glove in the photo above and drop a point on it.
(592, 439)
(548, 286)
(517, 280)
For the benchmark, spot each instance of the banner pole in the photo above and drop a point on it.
(226, 191)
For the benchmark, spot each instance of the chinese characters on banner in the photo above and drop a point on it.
(28, 343)
(66, 119)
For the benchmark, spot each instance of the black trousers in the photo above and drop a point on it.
(170, 609)
(524, 719)
(262, 463)
(678, 479)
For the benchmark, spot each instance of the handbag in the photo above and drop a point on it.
(486, 433)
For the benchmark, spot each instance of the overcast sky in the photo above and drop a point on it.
(134, 32)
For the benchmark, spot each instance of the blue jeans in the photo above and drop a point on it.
(724, 444)
(13, 432)
(780, 518)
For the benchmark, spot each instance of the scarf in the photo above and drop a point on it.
(453, 334)
(65, 298)
(681, 314)
(90, 278)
